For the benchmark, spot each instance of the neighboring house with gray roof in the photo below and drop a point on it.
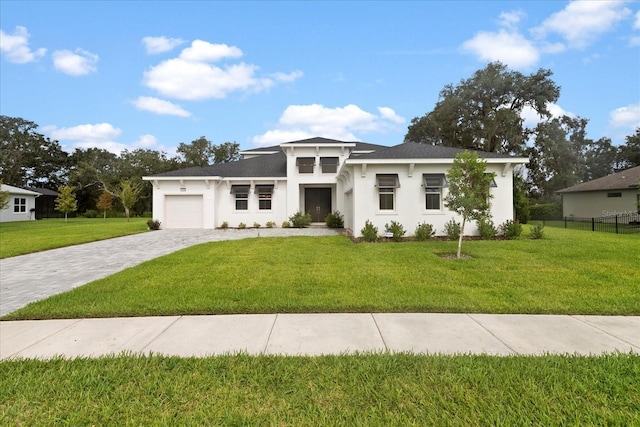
(22, 204)
(611, 195)
(404, 183)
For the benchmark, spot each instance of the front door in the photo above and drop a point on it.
(317, 201)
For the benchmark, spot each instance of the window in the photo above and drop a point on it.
(264, 193)
(387, 184)
(329, 164)
(433, 185)
(242, 196)
(19, 205)
(618, 194)
(305, 164)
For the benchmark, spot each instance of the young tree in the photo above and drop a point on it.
(128, 193)
(66, 200)
(4, 197)
(469, 194)
(105, 202)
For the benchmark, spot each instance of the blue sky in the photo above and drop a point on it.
(125, 75)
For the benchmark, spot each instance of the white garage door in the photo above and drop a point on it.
(183, 211)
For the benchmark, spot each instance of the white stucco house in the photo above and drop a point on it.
(404, 183)
(611, 195)
(22, 204)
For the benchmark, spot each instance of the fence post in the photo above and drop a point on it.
(616, 224)
(593, 224)
(565, 222)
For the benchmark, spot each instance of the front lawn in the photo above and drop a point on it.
(24, 237)
(568, 272)
(368, 389)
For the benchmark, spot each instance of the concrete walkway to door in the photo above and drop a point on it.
(32, 277)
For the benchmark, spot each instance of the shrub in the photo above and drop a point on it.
(396, 229)
(545, 211)
(147, 214)
(334, 220)
(91, 214)
(537, 232)
(511, 230)
(424, 231)
(286, 224)
(486, 229)
(452, 229)
(224, 225)
(242, 225)
(153, 224)
(300, 220)
(256, 225)
(271, 224)
(369, 232)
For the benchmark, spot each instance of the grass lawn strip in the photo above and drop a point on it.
(568, 272)
(25, 237)
(368, 389)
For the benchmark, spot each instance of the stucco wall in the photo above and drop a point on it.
(595, 204)
(8, 215)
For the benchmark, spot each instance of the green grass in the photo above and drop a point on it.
(568, 272)
(367, 389)
(24, 237)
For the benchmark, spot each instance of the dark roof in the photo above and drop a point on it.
(272, 165)
(319, 140)
(42, 191)
(414, 150)
(625, 180)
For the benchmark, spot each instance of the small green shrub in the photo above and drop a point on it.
(90, 213)
(147, 214)
(256, 225)
(486, 229)
(511, 230)
(396, 229)
(424, 231)
(153, 224)
(224, 225)
(300, 220)
(271, 224)
(334, 220)
(286, 224)
(452, 229)
(369, 232)
(537, 232)
(242, 225)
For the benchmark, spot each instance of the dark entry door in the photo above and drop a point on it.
(317, 201)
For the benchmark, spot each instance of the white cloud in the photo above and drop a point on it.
(16, 46)
(580, 23)
(636, 23)
(191, 76)
(155, 45)
(99, 135)
(531, 117)
(625, 117)
(160, 106)
(76, 63)
(508, 47)
(146, 141)
(305, 121)
(510, 20)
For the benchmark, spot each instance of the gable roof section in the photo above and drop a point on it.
(17, 190)
(414, 150)
(625, 180)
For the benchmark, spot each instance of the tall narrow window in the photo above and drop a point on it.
(19, 205)
(433, 185)
(305, 164)
(329, 164)
(264, 193)
(387, 184)
(241, 193)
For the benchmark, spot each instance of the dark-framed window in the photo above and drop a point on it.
(615, 194)
(387, 184)
(433, 185)
(329, 164)
(241, 193)
(264, 193)
(305, 164)
(19, 205)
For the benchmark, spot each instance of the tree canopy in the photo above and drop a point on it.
(202, 152)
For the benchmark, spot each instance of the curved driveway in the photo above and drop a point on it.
(28, 278)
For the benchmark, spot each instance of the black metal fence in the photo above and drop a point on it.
(620, 224)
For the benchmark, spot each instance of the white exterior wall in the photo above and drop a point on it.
(8, 215)
(595, 204)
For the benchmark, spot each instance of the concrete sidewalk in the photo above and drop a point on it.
(317, 334)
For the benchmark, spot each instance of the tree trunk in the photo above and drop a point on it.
(104, 215)
(460, 237)
(126, 211)
(65, 217)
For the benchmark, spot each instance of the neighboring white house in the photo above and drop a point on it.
(405, 183)
(22, 204)
(611, 195)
